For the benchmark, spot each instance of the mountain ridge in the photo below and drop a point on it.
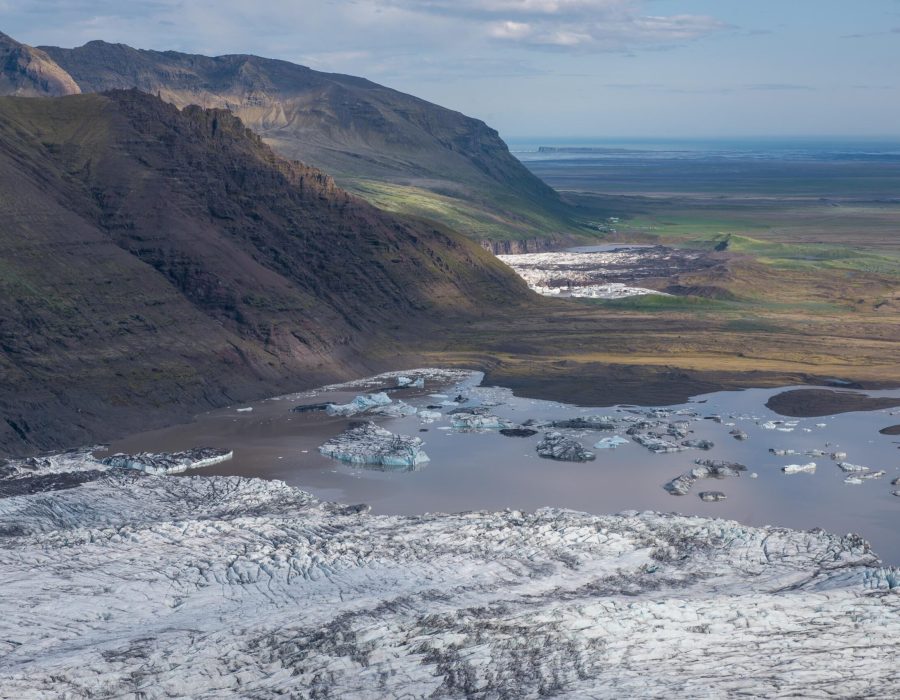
(399, 151)
(29, 72)
(156, 262)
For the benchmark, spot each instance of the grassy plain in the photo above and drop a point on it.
(807, 289)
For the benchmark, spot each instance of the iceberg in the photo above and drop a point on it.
(479, 421)
(705, 469)
(394, 410)
(799, 468)
(360, 404)
(610, 443)
(657, 444)
(557, 446)
(712, 496)
(370, 445)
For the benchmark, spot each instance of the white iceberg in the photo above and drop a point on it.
(360, 404)
(799, 468)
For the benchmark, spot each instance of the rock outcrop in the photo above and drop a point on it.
(29, 72)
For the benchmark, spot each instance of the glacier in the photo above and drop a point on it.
(158, 586)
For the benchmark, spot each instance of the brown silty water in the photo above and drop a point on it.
(487, 470)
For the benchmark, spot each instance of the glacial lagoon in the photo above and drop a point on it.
(484, 470)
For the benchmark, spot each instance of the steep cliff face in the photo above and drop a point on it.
(348, 126)
(30, 72)
(157, 261)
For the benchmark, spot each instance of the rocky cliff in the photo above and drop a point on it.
(156, 261)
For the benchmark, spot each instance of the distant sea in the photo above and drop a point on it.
(861, 170)
(773, 149)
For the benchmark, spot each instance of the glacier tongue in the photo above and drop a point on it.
(209, 587)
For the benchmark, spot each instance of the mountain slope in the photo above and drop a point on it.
(156, 261)
(398, 150)
(30, 72)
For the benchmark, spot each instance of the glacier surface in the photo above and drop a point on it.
(156, 586)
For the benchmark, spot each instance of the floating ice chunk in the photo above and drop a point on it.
(754, 475)
(871, 475)
(245, 410)
(848, 467)
(699, 444)
(821, 425)
(711, 496)
(418, 383)
(610, 443)
(169, 462)
(739, 435)
(782, 453)
(369, 444)
(404, 381)
(799, 468)
(705, 469)
(430, 416)
(588, 423)
(359, 405)
(557, 446)
(838, 456)
(657, 444)
(394, 410)
(477, 421)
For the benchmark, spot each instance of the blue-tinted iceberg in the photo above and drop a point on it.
(360, 404)
(370, 445)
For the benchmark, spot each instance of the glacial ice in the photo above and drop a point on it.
(479, 421)
(169, 462)
(360, 404)
(561, 448)
(136, 585)
(610, 443)
(808, 468)
(848, 467)
(371, 445)
(705, 469)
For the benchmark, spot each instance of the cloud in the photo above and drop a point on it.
(384, 39)
(584, 25)
(777, 87)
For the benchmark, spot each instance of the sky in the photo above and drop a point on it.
(566, 69)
